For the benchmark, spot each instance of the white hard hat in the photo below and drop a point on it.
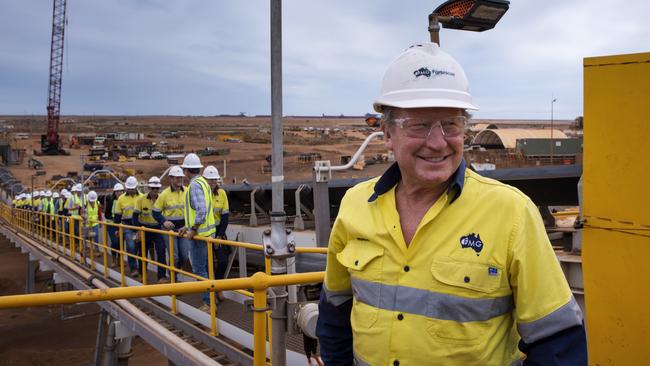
(211, 172)
(154, 182)
(36, 193)
(176, 171)
(76, 188)
(191, 161)
(55, 195)
(118, 187)
(67, 194)
(29, 195)
(64, 191)
(48, 194)
(92, 196)
(42, 193)
(131, 182)
(424, 76)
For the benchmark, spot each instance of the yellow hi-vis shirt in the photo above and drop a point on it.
(144, 208)
(171, 204)
(220, 205)
(449, 298)
(126, 205)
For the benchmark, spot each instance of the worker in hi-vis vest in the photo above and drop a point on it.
(199, 218)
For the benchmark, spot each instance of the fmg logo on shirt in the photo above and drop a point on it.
(472, 241)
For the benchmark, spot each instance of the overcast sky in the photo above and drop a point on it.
(188, 57)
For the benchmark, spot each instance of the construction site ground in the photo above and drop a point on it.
(246, 159)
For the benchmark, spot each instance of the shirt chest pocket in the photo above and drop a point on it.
(463, 300)
(364, 262)
(363, 259)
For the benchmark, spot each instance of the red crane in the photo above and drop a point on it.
(50, 142)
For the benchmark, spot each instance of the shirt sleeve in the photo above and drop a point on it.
(333, 327)
(197, 200)
(159, 205)
(545, 305)
(226, 206)
(118, 207)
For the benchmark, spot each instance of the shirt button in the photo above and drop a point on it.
(466, 279)
(356, 263)
(400, 316)
(407, 268)
(395, 363)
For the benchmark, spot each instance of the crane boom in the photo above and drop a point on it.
(50, 143)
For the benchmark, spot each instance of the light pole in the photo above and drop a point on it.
(553, 100)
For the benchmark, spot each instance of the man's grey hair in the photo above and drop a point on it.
(388, 121)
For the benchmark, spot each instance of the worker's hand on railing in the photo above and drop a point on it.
(169, 225)
(182, 231)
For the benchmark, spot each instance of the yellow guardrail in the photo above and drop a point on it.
(51, 231)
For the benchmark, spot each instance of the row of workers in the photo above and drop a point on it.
(199, 209)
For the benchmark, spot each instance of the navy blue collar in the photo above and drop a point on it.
(393, 175)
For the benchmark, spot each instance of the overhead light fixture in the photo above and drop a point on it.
(471, 15)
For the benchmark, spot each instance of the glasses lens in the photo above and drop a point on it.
(450, 126)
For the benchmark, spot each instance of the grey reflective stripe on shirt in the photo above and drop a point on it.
(433, 305)
(337, 298)
(171, 218)
(567, 316)
(173, 207)
(205, 229)
(359, 362)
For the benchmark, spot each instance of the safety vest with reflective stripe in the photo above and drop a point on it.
(220, 205)
(207, 228)
(171, 204)
(92, 210)
(48, 206)
(449, 297)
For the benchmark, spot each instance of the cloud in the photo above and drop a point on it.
(197, 57)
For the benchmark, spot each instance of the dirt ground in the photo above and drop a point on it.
(245, 161)
(51, 335)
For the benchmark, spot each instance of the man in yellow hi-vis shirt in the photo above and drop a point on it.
(169, 211)
(432, 264)
(123, 215)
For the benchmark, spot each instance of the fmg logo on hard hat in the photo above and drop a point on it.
(425, 72)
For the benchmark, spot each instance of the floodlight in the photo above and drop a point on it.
(471, 15)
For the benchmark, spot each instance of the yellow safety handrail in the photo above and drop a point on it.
(50, 230)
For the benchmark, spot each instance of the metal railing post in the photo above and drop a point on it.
(143, 253)
(105, 242)
(213, 319)
(122, 279)
(172, 269)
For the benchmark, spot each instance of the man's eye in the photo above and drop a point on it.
(419, 125)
